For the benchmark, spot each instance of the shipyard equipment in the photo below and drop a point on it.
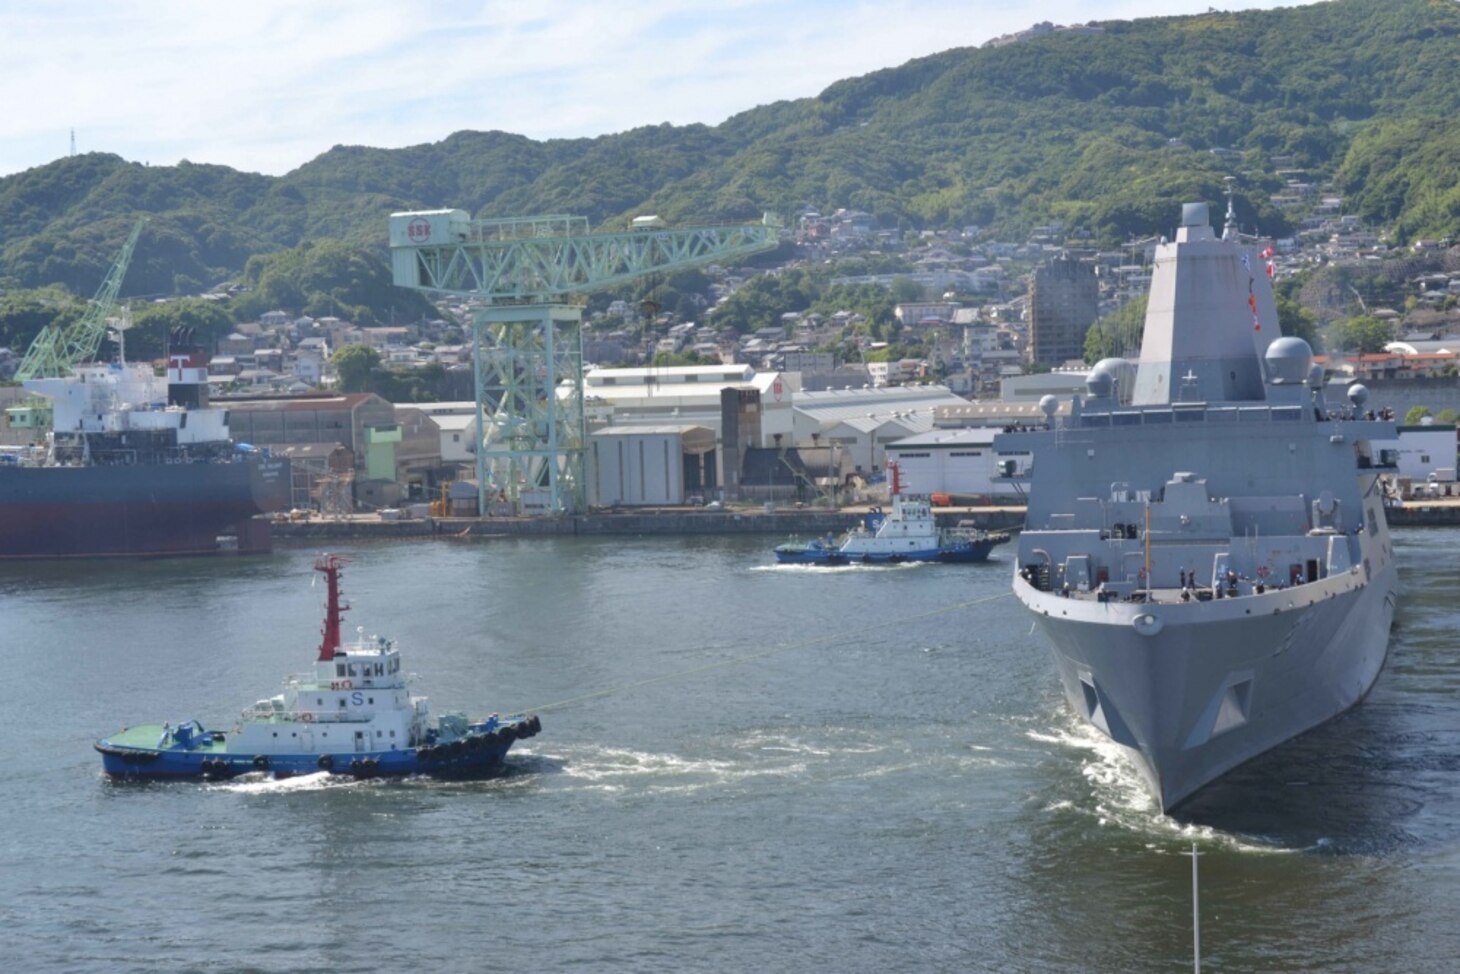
(524, 275)
(56, 350)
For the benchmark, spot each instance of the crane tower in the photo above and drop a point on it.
(56, 350)
(527, 347)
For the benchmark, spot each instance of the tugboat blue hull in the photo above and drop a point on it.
(477, 754)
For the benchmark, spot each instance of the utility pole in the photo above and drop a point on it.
(1195, 912)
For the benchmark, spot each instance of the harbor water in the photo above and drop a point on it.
(743, 766)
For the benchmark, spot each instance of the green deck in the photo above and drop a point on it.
(147, 736)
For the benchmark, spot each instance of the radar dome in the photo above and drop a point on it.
(1104, 378)
(1358, 394)
(1049, 405)
(1288, 361)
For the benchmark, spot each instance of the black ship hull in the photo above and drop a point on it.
(139, 509)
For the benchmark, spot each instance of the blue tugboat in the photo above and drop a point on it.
(352, 715)
(909, 532)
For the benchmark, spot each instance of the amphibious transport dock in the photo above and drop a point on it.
(1205, 548)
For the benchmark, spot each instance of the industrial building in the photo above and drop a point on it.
(958, 462)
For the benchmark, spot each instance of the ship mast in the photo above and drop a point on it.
(330, 566)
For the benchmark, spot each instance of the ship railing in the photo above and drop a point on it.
(1167, 414)
(319, 716)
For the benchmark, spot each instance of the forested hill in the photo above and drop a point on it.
(1105, 132)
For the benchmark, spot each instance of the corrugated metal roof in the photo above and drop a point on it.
(663, 430)
(915, 403)
(347, 400)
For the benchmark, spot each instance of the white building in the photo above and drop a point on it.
(1424, 450)
(956, 461)
(862, 422)
(636, 466)
(457, 422)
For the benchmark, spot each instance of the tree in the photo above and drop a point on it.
(670, 359)
(1415, 415)
(1118, 333)
(1360, 335)
(1448, 416)
(1297, 321)
(152, 325)
(354, 365)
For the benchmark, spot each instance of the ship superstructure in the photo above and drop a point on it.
(1210, 562)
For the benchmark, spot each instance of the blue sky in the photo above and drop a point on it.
(267, 85)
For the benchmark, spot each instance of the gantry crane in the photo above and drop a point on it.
(527, 344)
(56, 350)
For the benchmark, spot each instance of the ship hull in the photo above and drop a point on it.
(817, 553)
(478, 754)
(144, 509)
(1212, 685)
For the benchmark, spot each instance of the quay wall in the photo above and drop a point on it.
(1444, 512)
(786, 523)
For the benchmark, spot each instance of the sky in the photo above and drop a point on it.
(267, 85)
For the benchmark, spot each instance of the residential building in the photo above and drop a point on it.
(1064, 300)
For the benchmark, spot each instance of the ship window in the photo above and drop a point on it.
(339, 669)
(354, 670)
(379, 669)
(342, 703)
(392, 733)
(319, 701)
(276, 733)
(370, 700)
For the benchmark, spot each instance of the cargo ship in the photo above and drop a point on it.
(136, 464)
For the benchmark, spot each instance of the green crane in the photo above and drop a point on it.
(56, 350)
(527, 346)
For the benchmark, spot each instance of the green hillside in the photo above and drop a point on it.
(1105, 132)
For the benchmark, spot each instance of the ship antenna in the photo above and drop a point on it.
(1229, 231)
(330, 566)
(896, 469)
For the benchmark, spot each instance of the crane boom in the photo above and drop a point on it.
(56, 350)
(544, 258)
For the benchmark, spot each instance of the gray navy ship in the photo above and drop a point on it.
(1206, 550)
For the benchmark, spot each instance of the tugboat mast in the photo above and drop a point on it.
(330, 566)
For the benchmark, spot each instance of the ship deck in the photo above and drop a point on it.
(149, 735)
